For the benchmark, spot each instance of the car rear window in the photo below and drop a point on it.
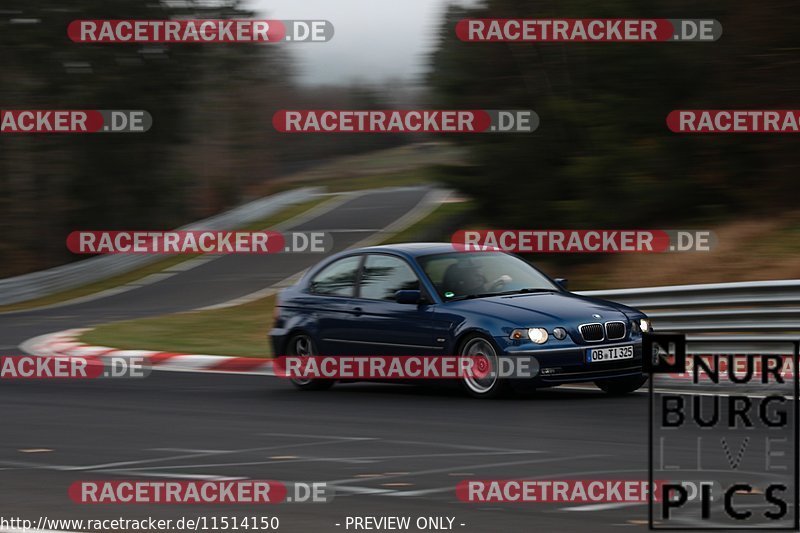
(338, 278)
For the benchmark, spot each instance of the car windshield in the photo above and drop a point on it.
(462, 275)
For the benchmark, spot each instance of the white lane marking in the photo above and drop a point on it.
(362, 490)
(193, 455)
(22, 465)
(263, 371)
(421, 492)
(430, 455)
(306, 436)
(461, 446)
(347, 460)
(172, 475)
(473, 467)
(307, 459)
(187, 450)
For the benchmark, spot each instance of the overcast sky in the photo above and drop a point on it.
(374, 39)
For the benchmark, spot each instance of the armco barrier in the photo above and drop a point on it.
(759, 309)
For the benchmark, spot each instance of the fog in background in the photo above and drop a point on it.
(374, 40)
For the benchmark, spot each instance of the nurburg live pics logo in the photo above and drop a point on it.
(731, 443)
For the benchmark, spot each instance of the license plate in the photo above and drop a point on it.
(599, 355)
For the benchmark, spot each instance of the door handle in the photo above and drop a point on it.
(357, 311)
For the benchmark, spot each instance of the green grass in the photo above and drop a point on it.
(239, 331)
(158, 266)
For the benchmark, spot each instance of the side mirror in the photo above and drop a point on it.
(562, 282)
(408, 297)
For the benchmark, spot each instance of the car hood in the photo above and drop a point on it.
(547, 308)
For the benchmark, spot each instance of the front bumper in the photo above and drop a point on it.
(558, 366)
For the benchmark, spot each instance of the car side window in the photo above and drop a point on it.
(338, 278)
(383, 275)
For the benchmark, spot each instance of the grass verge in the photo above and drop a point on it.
(238, 331)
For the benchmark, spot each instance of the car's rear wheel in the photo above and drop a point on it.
(486, 383)
(621, 386)
(302, 345)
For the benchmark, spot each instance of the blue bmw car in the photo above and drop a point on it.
(428, 298)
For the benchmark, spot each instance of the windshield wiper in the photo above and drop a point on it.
(528, 290)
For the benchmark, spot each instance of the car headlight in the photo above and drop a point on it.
(644, 325)
(537, 335)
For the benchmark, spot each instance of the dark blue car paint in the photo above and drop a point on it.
(357, 326)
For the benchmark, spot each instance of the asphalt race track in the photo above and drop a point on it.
(389, 450)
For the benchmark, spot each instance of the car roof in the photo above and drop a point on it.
(412, 249)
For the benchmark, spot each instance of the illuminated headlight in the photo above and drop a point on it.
(644, 325)
(537, 335)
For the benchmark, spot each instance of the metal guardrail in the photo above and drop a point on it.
(53, 280)
(746, 311)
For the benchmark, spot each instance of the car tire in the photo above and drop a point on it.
(489, 387)
(621, 386)
(303, 345)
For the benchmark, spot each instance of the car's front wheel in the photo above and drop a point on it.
(620, 386)
(302, 345)
(485, 383)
